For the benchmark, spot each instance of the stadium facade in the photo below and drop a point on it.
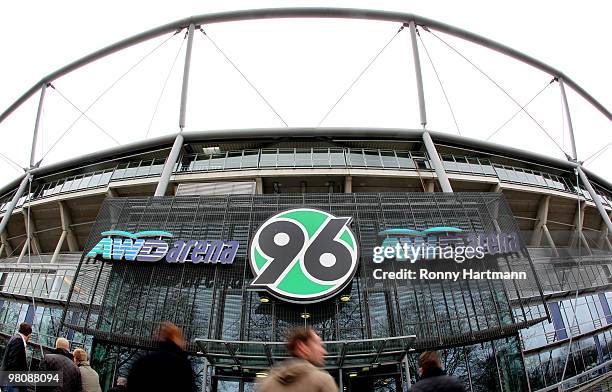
(103, 248)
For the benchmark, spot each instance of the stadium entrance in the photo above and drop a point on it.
(238, 272)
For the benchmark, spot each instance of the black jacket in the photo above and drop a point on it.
(166, 369)
(118, 388)
(61, 361)
(15, 355)
(434, 380)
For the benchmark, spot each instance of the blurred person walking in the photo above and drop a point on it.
(60, 360)
(167, 368)
(433, 378)
(90, 380)
(14, 359)
(301, 373)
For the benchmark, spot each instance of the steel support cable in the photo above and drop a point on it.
(498, 86)
(597, 153)
(439, 82)
(164, 86)
(244, 77)
(83, 114)
(360, 75)
(106, 91)
(522, 109)
(11, 162)
(575, 321)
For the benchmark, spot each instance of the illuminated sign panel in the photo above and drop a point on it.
(152, 246)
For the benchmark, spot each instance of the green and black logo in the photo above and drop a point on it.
(304, 255)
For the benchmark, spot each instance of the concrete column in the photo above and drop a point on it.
(340, 381)
(111, 192)
(58, 247)
(73, 244)
(26, 245)
(430, 186)
(259, 185)
(348, 184)
(31, 227)
(542, 217)
(578, 235)
(603, 241)
(434, 158)
(550, 241)
(6, 245)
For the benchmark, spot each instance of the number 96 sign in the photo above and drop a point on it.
(304, 255)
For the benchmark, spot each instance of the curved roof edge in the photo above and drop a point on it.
(346, 13)
(277, 133)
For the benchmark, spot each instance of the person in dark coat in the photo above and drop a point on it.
(14, 359)
(60, 360)
(167, 368)
(433, 377)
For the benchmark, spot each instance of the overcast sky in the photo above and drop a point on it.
(302, 68)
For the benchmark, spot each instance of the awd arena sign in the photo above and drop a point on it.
(304, 255)
(152, 246)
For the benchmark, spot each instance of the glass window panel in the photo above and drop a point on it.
(106, 177)
(303, 157)
(372, 158)
(356, 158)
(119, 172)
(449, 163)
(320, 157)
(462, 165)
(85, 181)
(475, 166)
(144, 169)
(540, 178)
(286, 158)
(389, 160)
(336, 157)
(131, 170)
(75, 183)
(250, 159)
(405, 160)
(487, 167)
(233, 160)
(217, 161)
(200, 162)
(95, 179)
(66, 186)
(268, 158)
(157, 167)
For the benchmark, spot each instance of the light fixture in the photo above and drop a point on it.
(261, 375)
(353, 374)
(264, 299)
(345, 298)
(305, 315)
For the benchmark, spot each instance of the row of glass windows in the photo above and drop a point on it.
(51, 284)
(45, 323)
(545, 368)
(568, 317)
(306, 158)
